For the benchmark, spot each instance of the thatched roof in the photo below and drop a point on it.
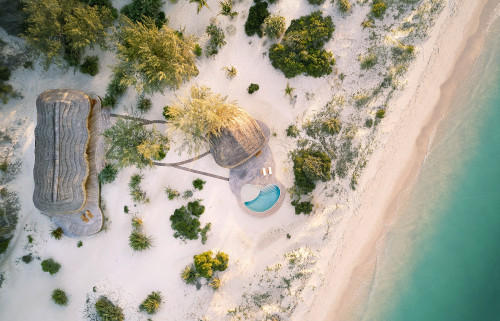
(61, 138)
(238, 142)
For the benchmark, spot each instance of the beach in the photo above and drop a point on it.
(327, 259)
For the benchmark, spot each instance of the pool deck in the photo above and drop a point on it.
(250, 172)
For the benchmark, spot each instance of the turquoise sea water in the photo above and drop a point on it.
(441, 259)
(268, 196)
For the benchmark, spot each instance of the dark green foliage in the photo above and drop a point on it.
(166, 112)
(274, 26)
(331, 126)
(292, 131)
(185, 221)
(198, 184)
(30, 239)
(115, 90)
(103, 3)
(402, 53)
(204, 232)
(139, 241)
(171, 193)
(302, 207)
(57, 233)
(137, 194)
(151, 304)
(316, 2)
(256, 16)
(378, 8)
(253, 88)
(189, 274)
(216, 41)
(368, 122)
(50, 266)
(198, 50)
(59, 297)
(90, 65)
(4, 244)
(125, 209)
(144, 105)
(27, 258)
(380, 113)
(309, 167)
(79, 244)
(4, 73)
(288, 236)
(344, 5)
(4, 166)
(368, 61)
(187, 194)
(108, 174)
(107, 311)
(206, 264)
(138, 9)
(301, 50)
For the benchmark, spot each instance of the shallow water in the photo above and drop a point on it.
(441, 259)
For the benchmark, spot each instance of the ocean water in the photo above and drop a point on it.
(441, 258)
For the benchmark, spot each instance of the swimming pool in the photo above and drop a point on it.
(268, 196)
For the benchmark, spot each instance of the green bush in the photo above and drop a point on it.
(57, 233)
(139, 241)
(4, 73)
(196, 208)
(206, 264)
(380, 113)
(90, 65)
(136, 222)
(171, 193)
(226, 9)
(198, 50)
(403, 53)
(204, 231)
(316, 2)
(79, 244)
(151, 304)
(144, 105)
(368, 61)
(216, 41)
(107, 311)
(198, 184)
(256, 16)
(214, 284)
(138, 195)
(4, 244)
(303, 207)
(108, 174)
(331, 126)
(185, 221)
(50, 266)
(59, 297)
(27, 258)
(137, 10)
(187, 194)
(292, 131)
(308, 167)
(116, 88)
(378, 8)
(189, 274)
(166, 113)
(273, 26)
(368, 122)
(253, 88)
(301, 49)
(344, 5)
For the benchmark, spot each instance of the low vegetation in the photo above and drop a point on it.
(198, 184)
(301, 49)
(152, 303)
(256, 16)
(9, 209)
(108, 174)
(206, 266)
(138, 10)
(253, 88)
(138, 195)
(316, 2)
(226, 9)
(90, 65)
(344, 6)
(186, 224)
(107, 311)
(59, 297)
(50, 266)
(216, 41)
(139, 241)
(378, 8)
(273, 26)
(171, 193)
(57, 233)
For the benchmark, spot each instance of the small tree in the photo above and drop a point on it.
(50, 266)
(108, 174)
(107, 311)
(273, 26)
(151, 304)
(59, 297)
(199, 115)
(152, 58)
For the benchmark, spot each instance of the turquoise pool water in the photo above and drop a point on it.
(266, 199)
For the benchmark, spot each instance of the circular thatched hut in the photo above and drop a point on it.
(238, 142)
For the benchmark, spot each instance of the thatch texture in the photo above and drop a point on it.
(61, 138)
(238, 142)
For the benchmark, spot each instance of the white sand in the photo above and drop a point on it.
(332, 242)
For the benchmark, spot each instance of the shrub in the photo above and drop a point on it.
(116, 88)
(273, 26)
(331, 126)
(27, 258)
(151, 58)
(187, 194)
(253, 88)
(226, 9)
(380, 113)
(198, 50)
(57, 233)
(368, 61)
(137, 10)
(144, 105)
(59, 297)
(303, 207)
(108, 174)
(171, 193)
(107, 311)
(316, 2)
(185, 221)
(204, 232)
(200, 4)
(198, 184)
(368, 122)
(231, 71)
(256, 16)
(125, 209)
(378, 8)
(151, 304)
(139, 241)
(301, 49)
(4, 73)
(196, 208)
(4, 244)
(136, 222)
(214, 284)
(344, 5)
(50, 266)
(90, 65)
(216, 41)
(206, 264)
(292, 131)
(79, 244)
(138, 195)
(402, 53)
(189, 274)
(308, 167)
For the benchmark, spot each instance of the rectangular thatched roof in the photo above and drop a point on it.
(61, 138)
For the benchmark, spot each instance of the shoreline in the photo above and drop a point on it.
(396, 164)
